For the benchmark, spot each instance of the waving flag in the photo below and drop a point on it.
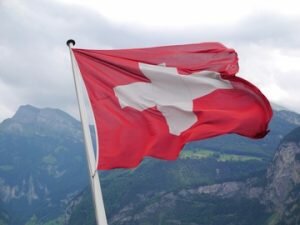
(152, 101)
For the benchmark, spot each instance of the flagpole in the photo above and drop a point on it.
(90, 155)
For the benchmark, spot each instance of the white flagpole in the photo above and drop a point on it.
(90, 155)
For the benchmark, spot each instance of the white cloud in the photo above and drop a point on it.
(175, 13)
(274, 70)
(7, 95)
(35, 65)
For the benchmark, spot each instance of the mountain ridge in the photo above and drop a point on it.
(42, 164)
(276, 194)
(30, 120)
(43, 168)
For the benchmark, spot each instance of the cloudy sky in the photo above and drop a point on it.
(34, 60)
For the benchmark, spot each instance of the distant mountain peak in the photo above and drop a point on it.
(29, 114)
(41, 121)
(26, 114)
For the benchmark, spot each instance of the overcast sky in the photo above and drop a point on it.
(34, 60)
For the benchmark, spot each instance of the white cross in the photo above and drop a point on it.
(171, 93)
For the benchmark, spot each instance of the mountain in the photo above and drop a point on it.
(215, 185)
(268, 198)
(282, 192)
(43, 175)
(42, 164)
(31, 121)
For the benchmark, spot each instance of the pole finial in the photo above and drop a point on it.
(70, 42)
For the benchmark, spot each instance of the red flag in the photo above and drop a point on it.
(152, 101)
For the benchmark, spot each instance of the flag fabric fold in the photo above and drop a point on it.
(152, 101)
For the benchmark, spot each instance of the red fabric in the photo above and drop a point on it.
(126, 135)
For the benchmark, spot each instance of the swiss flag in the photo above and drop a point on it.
(151, 101)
